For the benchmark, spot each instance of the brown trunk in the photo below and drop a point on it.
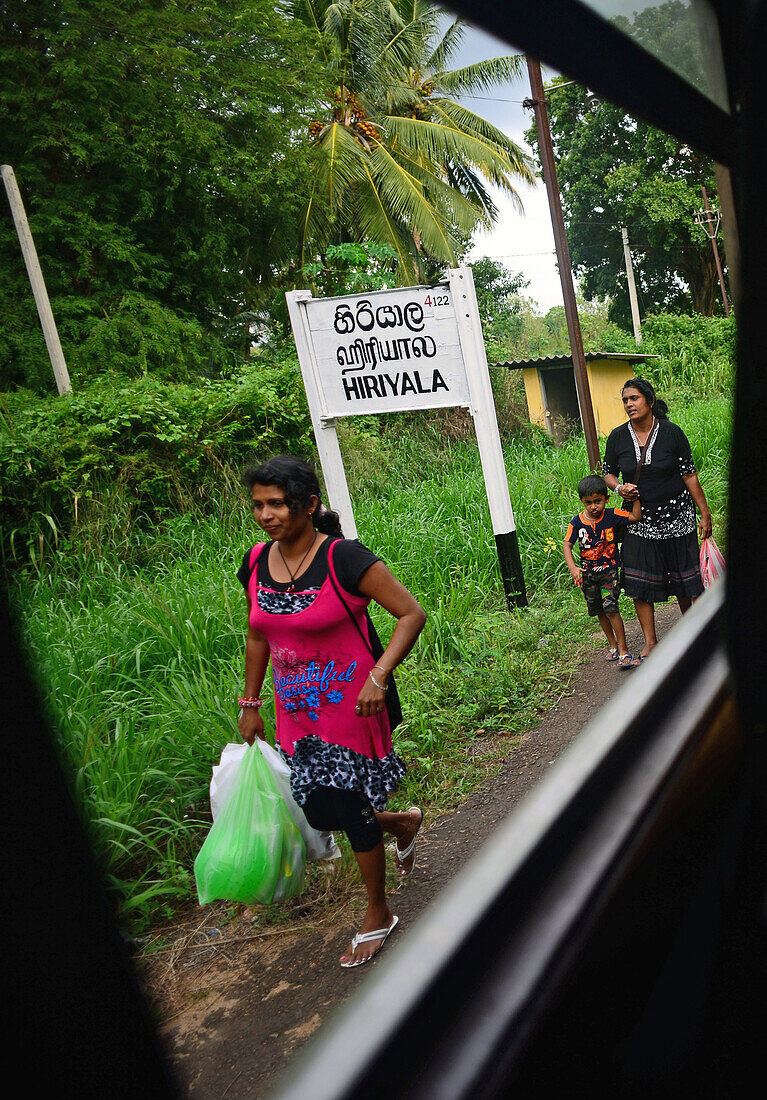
(699, 272)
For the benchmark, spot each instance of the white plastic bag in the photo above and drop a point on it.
(318, 845)
(223, 775)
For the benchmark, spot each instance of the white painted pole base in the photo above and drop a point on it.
(486, 425)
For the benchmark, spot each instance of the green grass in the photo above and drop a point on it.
(137, 639)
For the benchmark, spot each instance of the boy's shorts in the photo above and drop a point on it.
(601, 592)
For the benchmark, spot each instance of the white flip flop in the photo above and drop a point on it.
(410, 850)
(366, 937)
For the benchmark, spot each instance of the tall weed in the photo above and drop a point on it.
(137, 635)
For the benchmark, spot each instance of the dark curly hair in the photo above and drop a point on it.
(298, 481)
(591, 485)
(659, 406)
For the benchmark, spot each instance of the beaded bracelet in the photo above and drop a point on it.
(246, 701)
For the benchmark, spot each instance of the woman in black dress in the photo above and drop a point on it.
(660, 553)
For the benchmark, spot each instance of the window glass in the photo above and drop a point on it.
(683, 34)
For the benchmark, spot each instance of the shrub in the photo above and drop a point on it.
(163, 443)
(697, 353)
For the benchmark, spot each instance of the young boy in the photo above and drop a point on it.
(595, 530)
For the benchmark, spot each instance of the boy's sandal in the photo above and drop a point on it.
(612, 655)
(627, 661)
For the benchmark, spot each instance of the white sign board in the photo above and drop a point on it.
(397, 351)
(388, 351)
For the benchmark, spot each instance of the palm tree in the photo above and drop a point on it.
(397, 159)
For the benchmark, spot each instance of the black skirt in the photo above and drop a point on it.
(655, 569)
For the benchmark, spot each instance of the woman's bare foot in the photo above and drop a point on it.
(404, 852)
(358, 952)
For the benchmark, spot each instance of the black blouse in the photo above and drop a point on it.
(350, 559)
(667, 461)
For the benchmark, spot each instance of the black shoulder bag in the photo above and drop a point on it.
(393, 706)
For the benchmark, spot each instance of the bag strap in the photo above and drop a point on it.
(255, 554)
(643, 451)
(393, 705)
(343, 601)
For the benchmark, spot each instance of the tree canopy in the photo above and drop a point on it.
(156, 150)
(180, 164)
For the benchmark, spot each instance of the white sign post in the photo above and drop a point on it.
(399, 351)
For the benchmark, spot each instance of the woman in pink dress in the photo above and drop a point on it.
(308, 590)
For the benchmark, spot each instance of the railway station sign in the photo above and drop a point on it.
(399, 351)
(389, 351)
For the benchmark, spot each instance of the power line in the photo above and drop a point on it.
(517, 255)
(489, 98)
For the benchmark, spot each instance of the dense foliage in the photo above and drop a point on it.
(155, 446)
(155, 146)
(158, 447)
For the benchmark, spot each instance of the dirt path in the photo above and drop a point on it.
(236, 1007)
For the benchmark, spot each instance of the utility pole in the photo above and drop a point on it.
(708, 220)
(29, 252)
(538, 103)
(632, 286)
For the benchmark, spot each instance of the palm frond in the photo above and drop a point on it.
(398, 98)
(458, 204)
(406, 198)
(470, 122)
(448, 47)
(405, 45)
(443, 142)
(339, 162)
(482, 76)
(317, 223)
(334, 23)
(375, 223)
(396, 17)
(467, 181)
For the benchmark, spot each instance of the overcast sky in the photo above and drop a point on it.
(523, 242)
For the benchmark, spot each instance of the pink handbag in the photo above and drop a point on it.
(712, 564)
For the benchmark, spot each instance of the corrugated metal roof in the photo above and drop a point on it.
(567, 360)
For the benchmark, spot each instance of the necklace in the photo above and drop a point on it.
(649, 440)
(292, 585)
(649, 432)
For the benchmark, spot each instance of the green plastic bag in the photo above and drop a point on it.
(254, 852)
